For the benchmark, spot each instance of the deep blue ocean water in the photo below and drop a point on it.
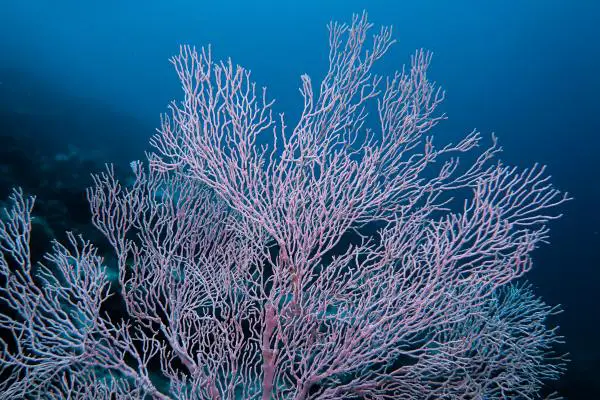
(89, 80)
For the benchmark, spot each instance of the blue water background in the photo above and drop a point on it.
(527, 70)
